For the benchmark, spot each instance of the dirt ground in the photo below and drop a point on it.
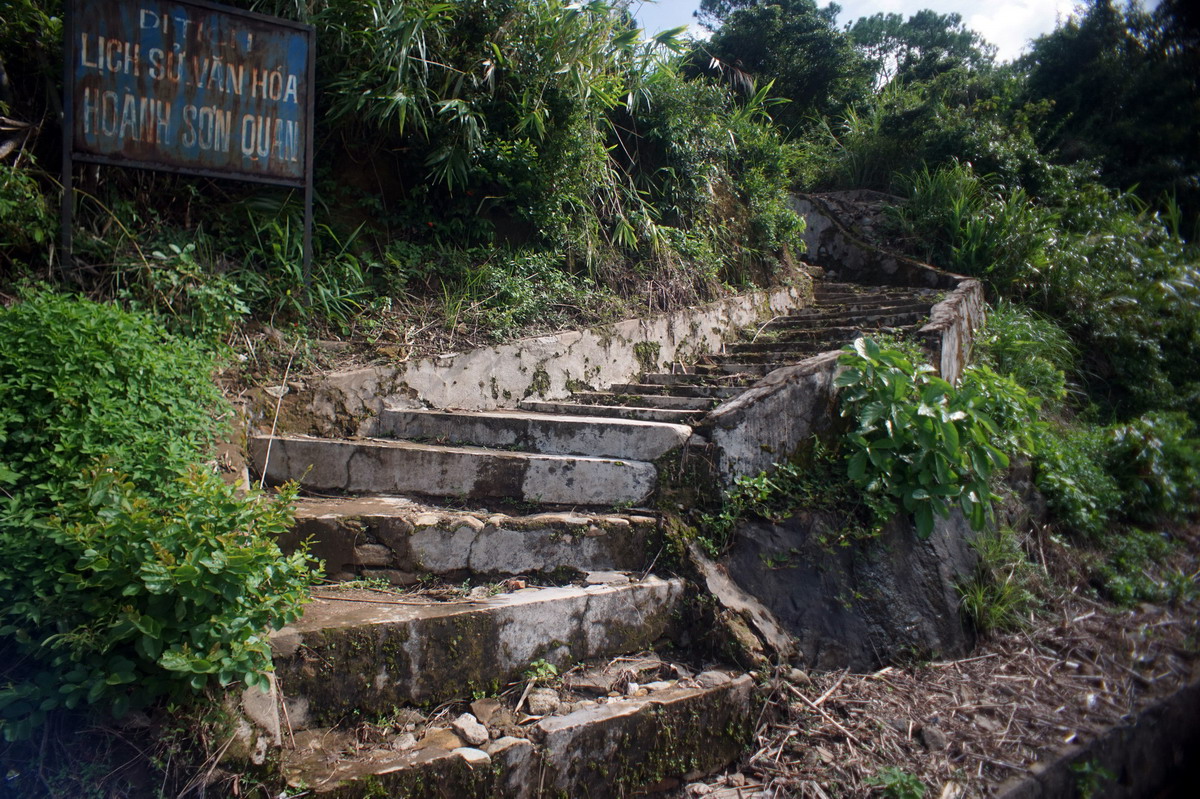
(960, 728)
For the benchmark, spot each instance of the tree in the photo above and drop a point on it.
(1124, 91)
(797, 45)
(919, 48)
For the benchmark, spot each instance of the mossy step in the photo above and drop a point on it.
(910, 315)
(607, 750)
(399, 540)
(644, 400)
(703, 391)
(560, 434)
(825, 339)
(379, 466)
(734, 381)
(674, 416)
(353, 652)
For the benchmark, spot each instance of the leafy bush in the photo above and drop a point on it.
(1128, 574)
(1029, 348)
(130, 570)
(27, 226)
(896, 783)
(1070, 470)
(183, 293)
(917, 442)
(1156, 461)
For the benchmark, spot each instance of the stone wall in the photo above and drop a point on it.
(546, 367)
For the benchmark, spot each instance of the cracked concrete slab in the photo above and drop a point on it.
(353, 651)
(375, 466)
(537, 432)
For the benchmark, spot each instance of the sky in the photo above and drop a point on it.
(1008, 24)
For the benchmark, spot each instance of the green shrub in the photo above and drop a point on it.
(1029, 348)
(129, 569)
(1070, 470)
(1156, 462)
(896, 783)
(815, 482)
(27, 226)
(1132, 569)
(917, 442)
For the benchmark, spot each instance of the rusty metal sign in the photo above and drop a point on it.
(190, 86)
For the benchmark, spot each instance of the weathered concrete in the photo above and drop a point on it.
(399, 540)
(865, 604)
(537, 432)
(609, 750)
(665, 415)
(362, 653)
(766, 423)
(376, 466)
(830, 243)
(1153, 751)
(951, 329)
(548, 367)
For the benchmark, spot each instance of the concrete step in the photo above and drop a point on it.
(770, 360)
(355, 652)
(703, 391)
(694, 379)
(731, 367)
(853, 317)
(816, 341)
(606, 749)
(617, 411)
(379, 466)
(644, 400)
(595, 436)
(400, 540)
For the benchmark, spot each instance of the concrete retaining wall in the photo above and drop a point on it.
(766, 424)
(547, 367)
(1153, 750)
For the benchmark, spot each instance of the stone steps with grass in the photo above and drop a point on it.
(536, 597)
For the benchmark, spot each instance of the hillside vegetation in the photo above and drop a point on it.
(488, 169)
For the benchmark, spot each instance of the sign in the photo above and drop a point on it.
(189, 86)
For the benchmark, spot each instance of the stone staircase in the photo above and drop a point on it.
(558, 585)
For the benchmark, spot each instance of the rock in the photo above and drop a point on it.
(373, 555)
(392, 576)
(932, 738)
(484, 709)
(501, 744)
(440, 738)
(658, 685)
(712, 679)
(474, 757)
(403, 742)
(469, 729)
(632, 688)
(799, 677)
(542, 701)
(607, 578)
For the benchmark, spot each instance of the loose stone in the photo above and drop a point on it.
(470, 730)
(543, 701)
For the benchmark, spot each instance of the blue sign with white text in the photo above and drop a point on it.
(190, 86)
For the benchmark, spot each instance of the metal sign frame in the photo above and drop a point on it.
(70, 154)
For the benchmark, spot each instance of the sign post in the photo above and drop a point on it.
(191, 87)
